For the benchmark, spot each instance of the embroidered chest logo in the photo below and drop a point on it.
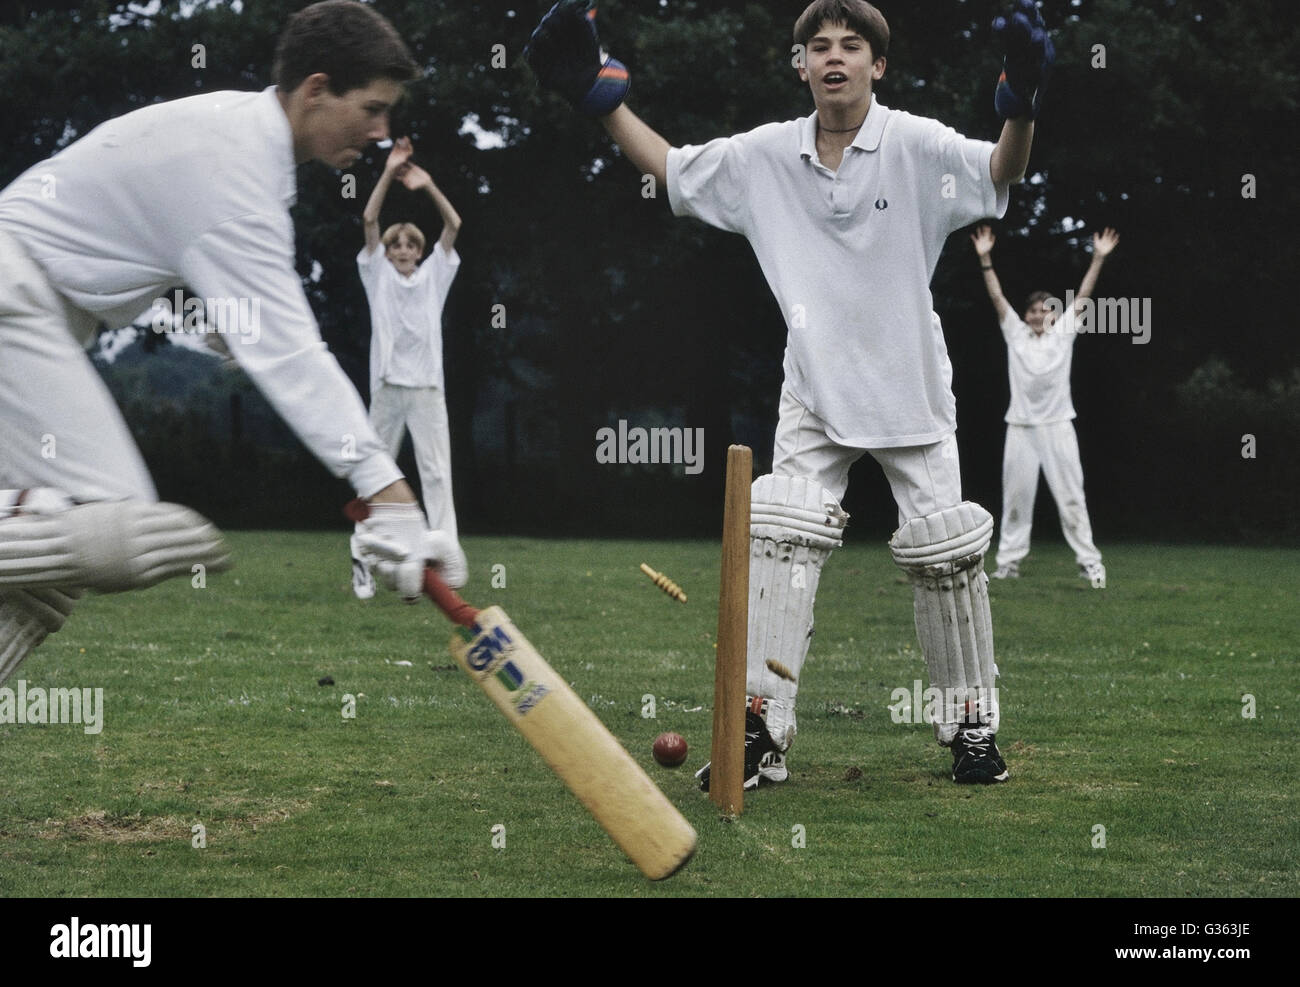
(882, 204)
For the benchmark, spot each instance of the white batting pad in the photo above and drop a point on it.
(26, 619)
(109, 546)
(943, 554)
(796, 509)
(794, 525)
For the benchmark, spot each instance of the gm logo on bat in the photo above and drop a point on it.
(487, 648)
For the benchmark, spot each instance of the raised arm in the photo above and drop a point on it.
(416, 178)
(566, 57)
(394, 167)
(983, 240)
(642, 144)
(1027, 60)
(1011, 154)
(1102, 244)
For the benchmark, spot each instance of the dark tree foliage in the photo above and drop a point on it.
(581, 301)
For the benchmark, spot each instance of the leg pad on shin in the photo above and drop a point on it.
(27, 617)
(794, 525)
(943, 555)
(107, 546)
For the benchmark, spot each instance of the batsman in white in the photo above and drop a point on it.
(1040, 418)
(195, 192)
(847, 210)
(406, 376)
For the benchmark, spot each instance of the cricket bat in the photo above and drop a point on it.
(566, 733)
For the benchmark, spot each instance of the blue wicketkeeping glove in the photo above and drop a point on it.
(1027, 61)
(566, 57)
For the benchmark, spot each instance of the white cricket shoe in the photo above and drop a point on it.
(1095, 573)
(1009, 570)
(363, 581)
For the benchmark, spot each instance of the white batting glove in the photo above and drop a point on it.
(397, 545)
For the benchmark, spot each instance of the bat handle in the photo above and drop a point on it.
(448, 600)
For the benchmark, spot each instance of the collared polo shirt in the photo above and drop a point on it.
(1038, 368)
(406, 317)
(849, 255)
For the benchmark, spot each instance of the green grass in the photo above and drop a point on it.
(1121, 709)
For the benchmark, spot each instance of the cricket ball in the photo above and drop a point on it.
(670, 749)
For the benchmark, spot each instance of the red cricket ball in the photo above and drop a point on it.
(670, 749)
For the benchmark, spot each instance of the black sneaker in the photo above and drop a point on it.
(976, 759)
(763, 759)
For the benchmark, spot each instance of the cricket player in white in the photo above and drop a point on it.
(1040, 418)
(193, 192)
(406, 300)
(847, 211)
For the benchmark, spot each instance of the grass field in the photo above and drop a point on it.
(1121, 709)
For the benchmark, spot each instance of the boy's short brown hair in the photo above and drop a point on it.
(1035, 297)
(347, 41)
(858, 15)
(398, 229)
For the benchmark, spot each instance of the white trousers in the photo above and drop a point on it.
(923, 479)
(61, 427)
(1054, 449)
(423, 410)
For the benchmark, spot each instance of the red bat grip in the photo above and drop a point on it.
(448, 600)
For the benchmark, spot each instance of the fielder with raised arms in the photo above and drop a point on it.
(195, 192)
(847, 211)
(1040, 417)
(406, 379)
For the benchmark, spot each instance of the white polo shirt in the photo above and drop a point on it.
(849, 256)
(406, 317)
(196, 192)
(1038, 367)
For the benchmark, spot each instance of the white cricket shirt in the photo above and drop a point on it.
(197, 192)
(849, 256)
(1038, 367)
(406, 317)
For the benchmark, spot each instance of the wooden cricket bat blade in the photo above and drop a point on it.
(576, 745)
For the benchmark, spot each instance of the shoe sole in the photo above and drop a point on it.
(766, 774)
(981, 778)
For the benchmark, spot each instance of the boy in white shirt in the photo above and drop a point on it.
(847, 211)
(406, 374)
(1040, 418)
(196, 192)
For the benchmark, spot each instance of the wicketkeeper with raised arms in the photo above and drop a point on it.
(847, 210)
(195, 192)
